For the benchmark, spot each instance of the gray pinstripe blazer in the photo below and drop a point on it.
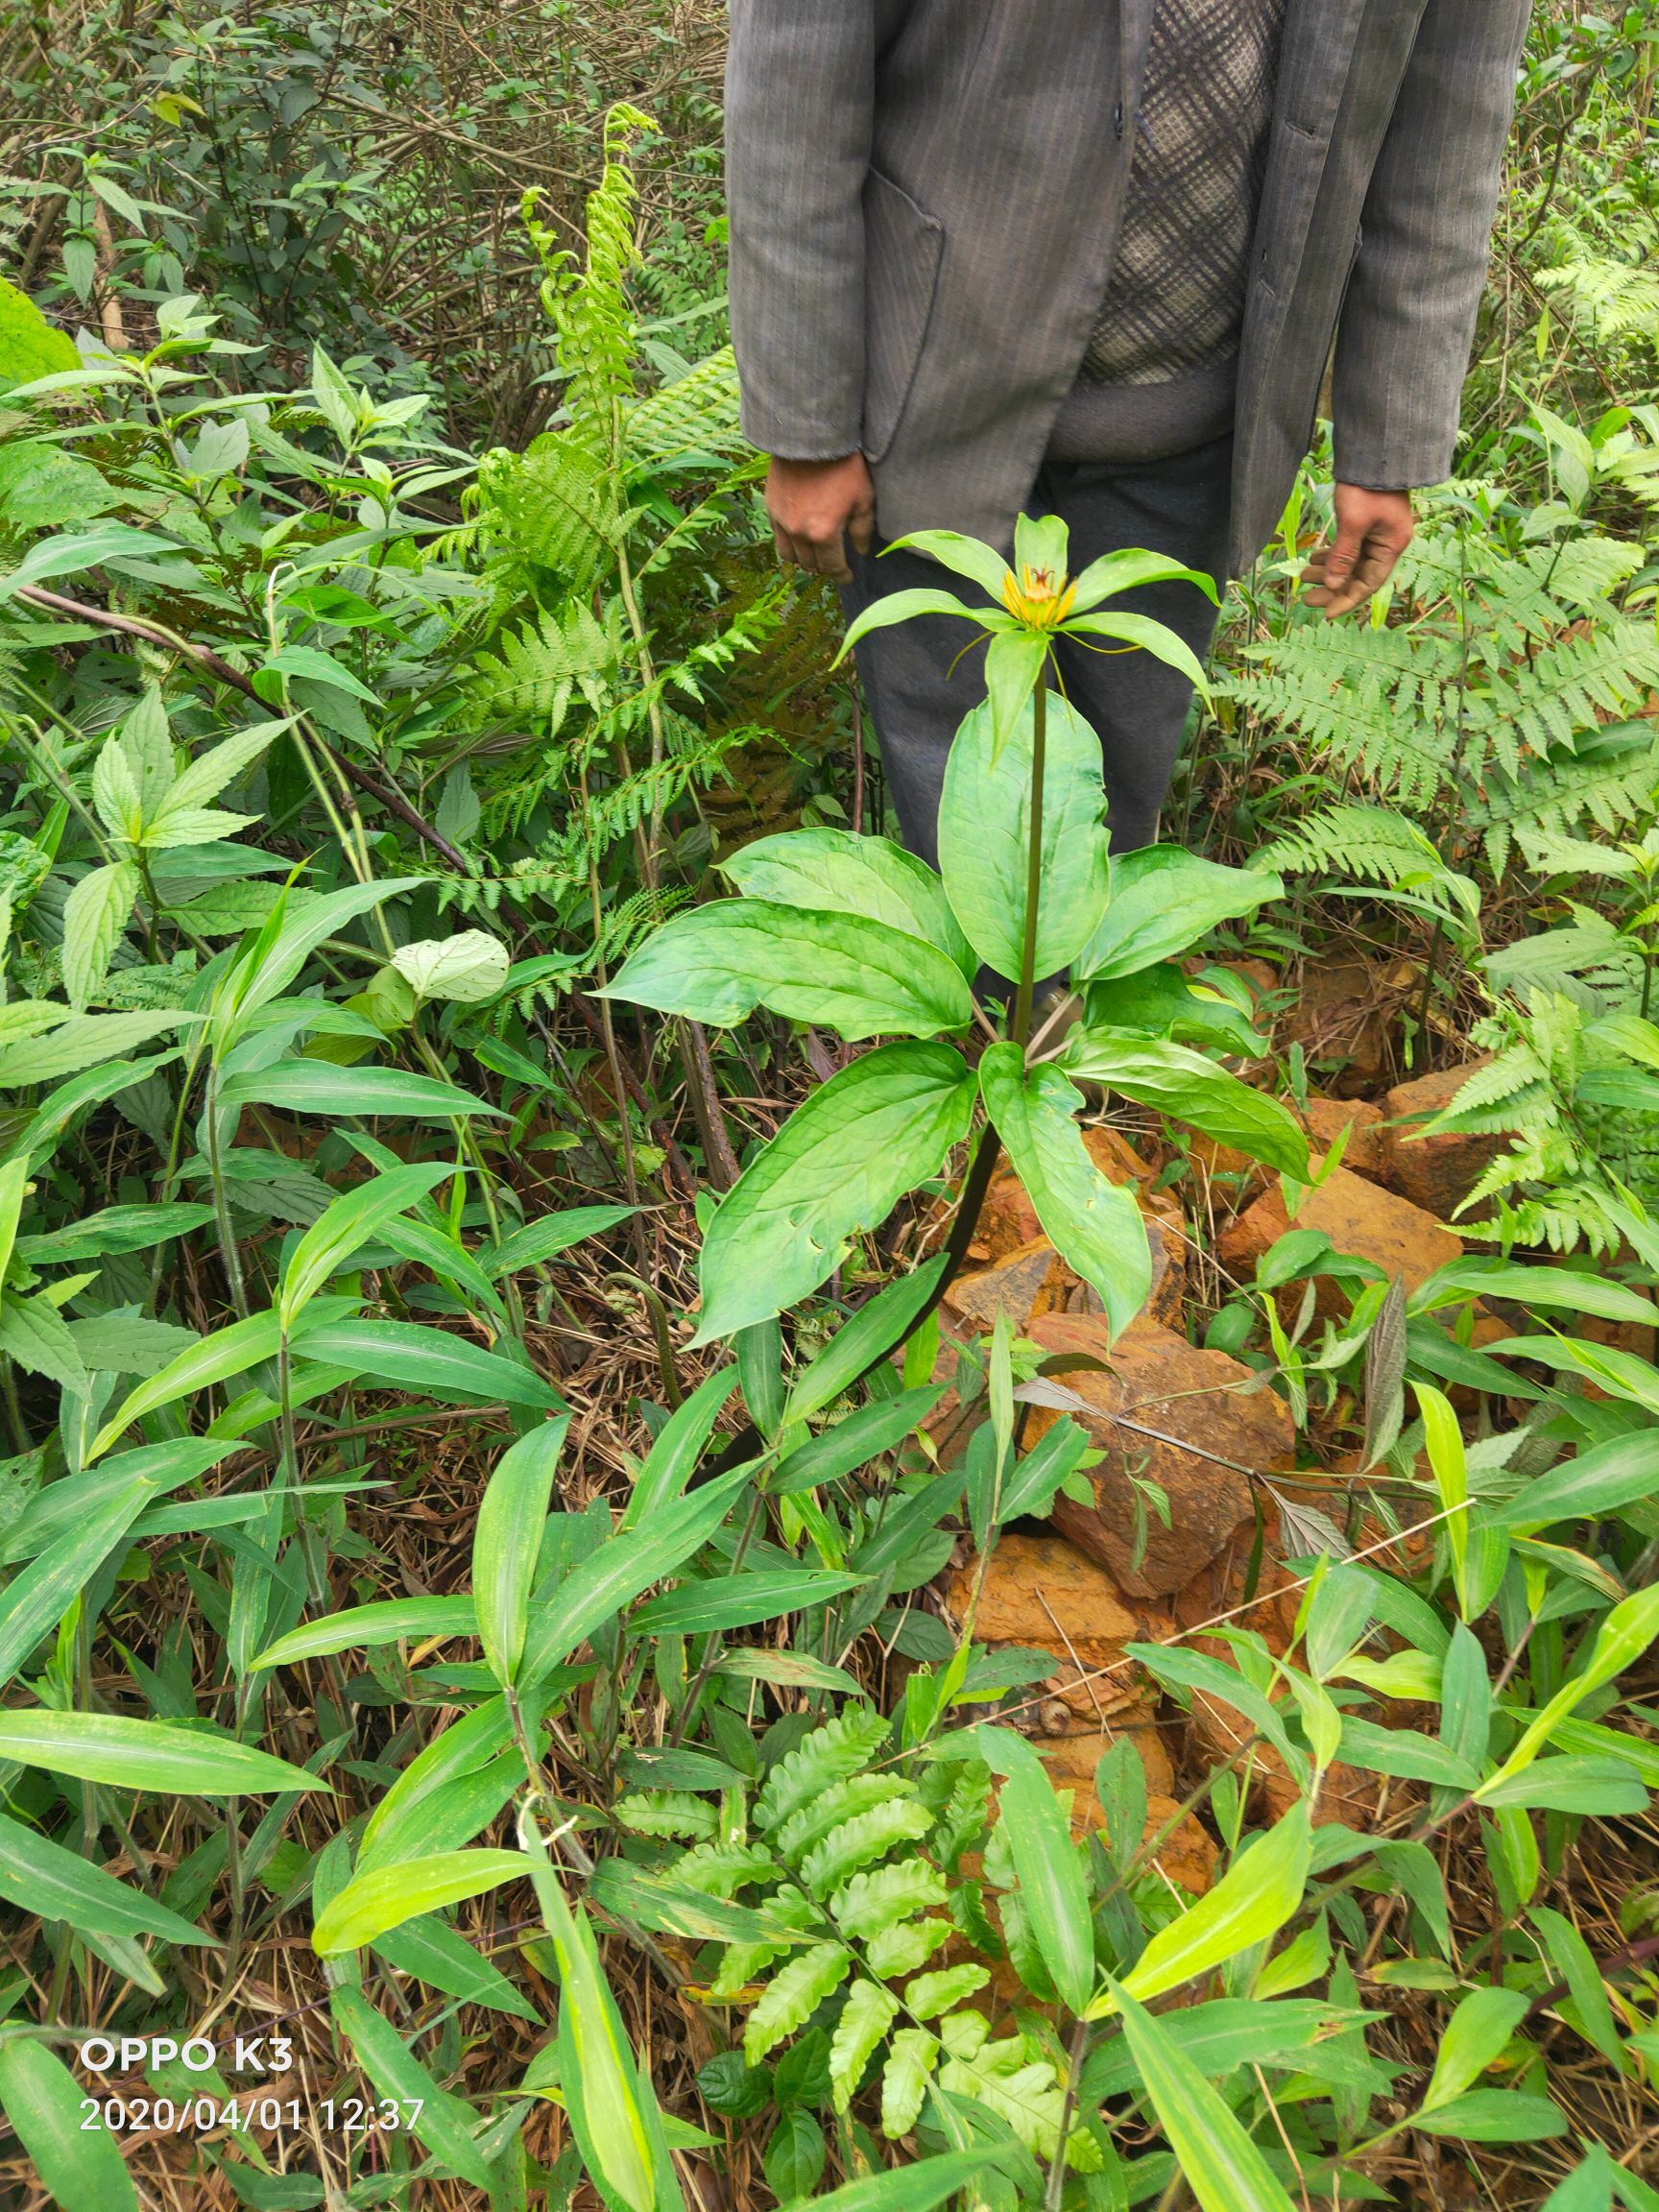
(925, 196)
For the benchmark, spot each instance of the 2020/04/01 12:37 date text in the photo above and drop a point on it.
(170, 2115)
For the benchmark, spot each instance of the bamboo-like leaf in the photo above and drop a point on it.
(129, 1754)
(507, 1540)
(1219, 2163)
(1250, 1903)
(351, 1220)
(441, 2123)
(385, 1898)
(678, 1446)
(432, 1362)
(40, 1876)
(216, 1358)
(321, 1087)
(81, 2165)
(38, 1598)
(1620, 1640)
(362, 1627)
(1052, 1888)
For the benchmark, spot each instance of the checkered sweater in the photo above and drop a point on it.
(1176, 299)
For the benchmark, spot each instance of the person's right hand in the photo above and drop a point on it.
(815, 506)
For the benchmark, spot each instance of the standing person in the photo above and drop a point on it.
(1088, 257)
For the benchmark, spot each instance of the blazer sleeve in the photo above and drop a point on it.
(800, 102)
(1408, 320)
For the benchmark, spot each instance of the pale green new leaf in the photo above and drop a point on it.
(389, 1895)
(838, 1165)
(984, 838)
(869, 2012)
(506, 1540)
(1129, 568)
(469, 969)
(1095, 1225)
(1250, 1903)
(1620, 1640)
(911, 2059)
(904, 607)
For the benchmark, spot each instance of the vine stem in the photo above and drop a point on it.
(1033, 863)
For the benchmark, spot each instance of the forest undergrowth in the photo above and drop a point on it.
(651, 1557)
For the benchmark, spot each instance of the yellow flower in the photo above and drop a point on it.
(1038, 597)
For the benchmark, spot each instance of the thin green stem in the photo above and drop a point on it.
(1033, 865)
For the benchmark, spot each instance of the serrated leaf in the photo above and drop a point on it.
(863, 1838)
(878, 1899)
(94, 916)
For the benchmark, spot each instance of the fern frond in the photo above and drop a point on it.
(863, 1838)
(910, 2062)
(842, 1801)
(868, 2013)
(885, 1895)
(842, 1746)
(666, 1812)
(722, 1869)
(793, 1995)
(694, 417)
(903, 1949)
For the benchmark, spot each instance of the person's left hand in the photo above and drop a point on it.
(1373, 529)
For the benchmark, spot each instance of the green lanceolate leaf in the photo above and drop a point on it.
(857, 976)
(1093, 1224)
(362, 1627)
(385, 1898)
(320, 1087)
(432, 1362)
(82, 2165)
(1164, 899)
(1620, 1640)
(38, 1598)
(40, 1876)
(838, 1165)
(508, 1539)
(441, 2123)
(1222, 2167)
(1052, 1889)
(1127, 571)
(626, 1564)
(144, 1755)
(1250, 1903)
(1189, 1088)
(613, 2111)
(844, 874)
(984, 838)
(352, 1221)
(678, 1446)
(216, 1358)
(540, 1241)
(740, 1601)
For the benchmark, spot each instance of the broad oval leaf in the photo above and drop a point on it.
(1093, 1224)
(857, 976)
(984, 838)
(838, 1165)
(844, 874)
(1165, 898)
(387, 1896)
(1189, 1088)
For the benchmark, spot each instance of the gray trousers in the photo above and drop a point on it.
(919, 689)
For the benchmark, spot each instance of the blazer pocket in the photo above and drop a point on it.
(903, 247)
